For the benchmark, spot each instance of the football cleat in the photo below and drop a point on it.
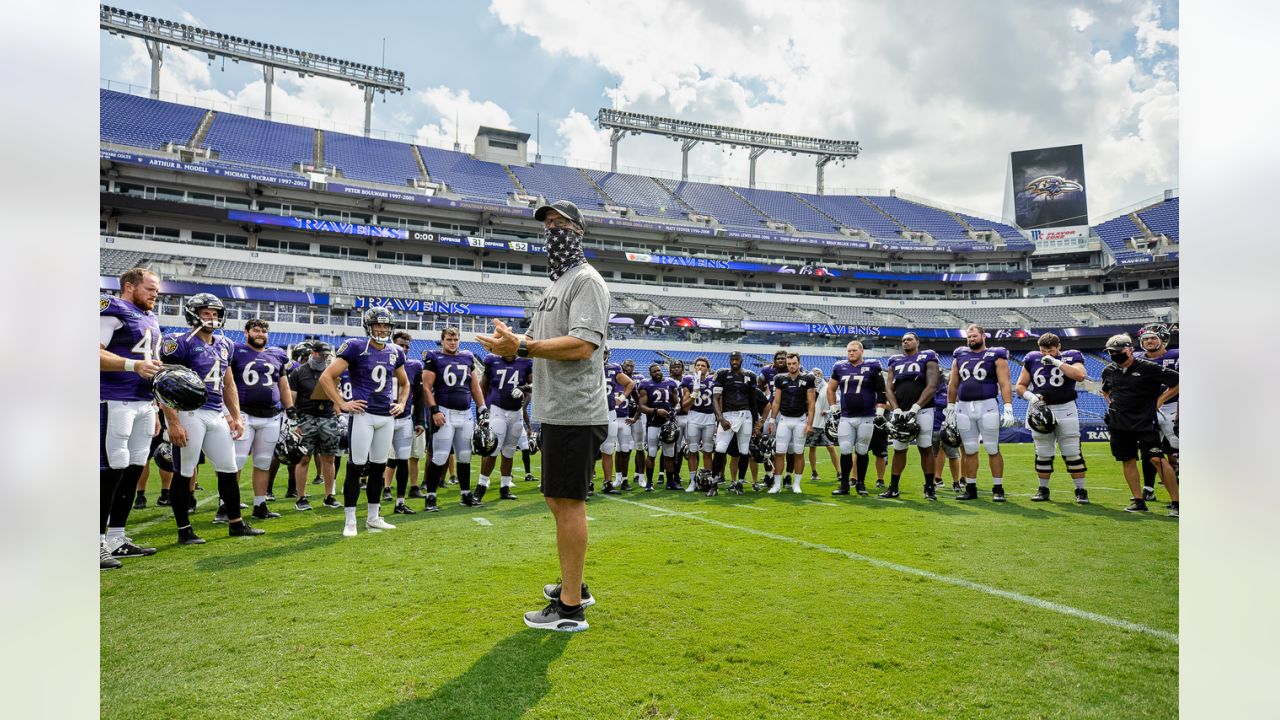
(554, 617)
(843, 489)
(331, 502)
(244, 529)
(479, 492)
(261, 512)
(609, 488)
(105, 560)
(1137, 505)
(187, 536)
(349, 529)
(387, 496)
(430, 505)
(402, 509)
(269, 497)
(1173, 511)
(928, 491)
(291, 494)
(626, 485)
(303, 504)
(220, 517)
(127, 549)
(1148, 495)
(140, 502)
(530, 478)
(1042, 495)
(879, 483)
(795, 485)
(776, 487)
(506, 494)
(1082, 496)
(469, 500)
(378, 524)
(415, 493)
(552, 592)
(970, 492)
(890, 493)
(453, 479)
(997, 493)
(163, 500)
(861, 488)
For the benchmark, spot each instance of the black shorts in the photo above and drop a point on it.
(569, 455)
(1130, 444)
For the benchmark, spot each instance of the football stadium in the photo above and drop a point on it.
(987, 527)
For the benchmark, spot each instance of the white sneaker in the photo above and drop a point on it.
(378, 524)
(795, 486)
(777, 487)
(349, 530)
(692, 486)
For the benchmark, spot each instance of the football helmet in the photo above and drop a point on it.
(762, 448)
(951, 435)
(301, 351)
(374, 316)
(483, 440)
(164, 456)
(289, 448)
(832, 427)
(193, 305)
(1158, 329)
(1040, 418)
(670, 432)
(880, 423)
(904, 428)
(535, 441)
(179, 387)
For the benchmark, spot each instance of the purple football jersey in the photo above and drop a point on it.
(618, 401)
(257, 374)
(856, 387)
(504, 377)
(452, 387)
(373, 372)
(701, 392)
(939, 401)
(1169, 359)
(910, 376)
(137, 338)
(978, 372)
(769, 372)
(344, 385)
(412, 368)
(661, 394)
(1049, 382)
(208, 360)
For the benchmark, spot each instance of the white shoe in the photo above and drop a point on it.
(349, 530)
(795, 486)
(692, 486)
(777, 487)
(378, 524)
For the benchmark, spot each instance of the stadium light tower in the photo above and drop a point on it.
(158, 32)
(757, 142)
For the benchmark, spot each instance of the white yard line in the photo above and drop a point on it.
(482, 522)
(905, 569)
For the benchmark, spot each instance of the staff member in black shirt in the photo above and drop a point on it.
(1132, 388)
(318, 422)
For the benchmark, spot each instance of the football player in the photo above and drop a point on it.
(769, 373)
(264, 396)
(658, 398)
(791, 415)
(128, 349)
(449, 384)
(206, 429)
(733, 398)
(944, 455)
(818, 436)
(685, 401)
(978, 375)
(507, 387)
(702, 421)
(1154, 339)
(1049, 375)
(615, 452)
(913, 377)
(856, 392)
(636, 421)
(408, 443)
(376, 368)
(319, 423)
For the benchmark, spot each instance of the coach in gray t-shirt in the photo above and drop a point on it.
(566, 341)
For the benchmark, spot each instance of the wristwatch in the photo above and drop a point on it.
(523, 350)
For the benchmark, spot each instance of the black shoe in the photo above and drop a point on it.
(891, 493)
(552, 592)
(140, 502)
(469, 500)
(1042, 495)
(430, 504)
(270, 497)
(303, 504)
(197, 488)
(105, 560)
(506, 494)
(842, 490)
(529, 477)
(970, 492)
(1137, 505)
(364, 484)
(1082, 496)
(997, 493)
(331, 502)
(879, 483)
(129, 550)
(591, 488)
(387, 496)
(191, 506)
(713, 490)
(415, 493)
(291, 494)
(163, 500)
(402, 509)
(220, 517)
(479, 492)
(244, 529)
(1173, 510)
(316, 480)
(555, 617)
(928, 491)
(736, 487)
(649, 487)
(956, 486)
(861, 489)
(188, 536)
(262, 513)
(674, 484)
(244, 506)
(626, 486)
(453, 479)
(1148, 495)
(609, 489)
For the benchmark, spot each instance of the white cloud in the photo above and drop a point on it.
(458, 116)
(190, 19)
(937, 99)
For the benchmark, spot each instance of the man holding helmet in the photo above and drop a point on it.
(1048, 383)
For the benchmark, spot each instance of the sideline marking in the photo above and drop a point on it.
(748, 507)
(906, 569)
(482, 522)
(819, 502)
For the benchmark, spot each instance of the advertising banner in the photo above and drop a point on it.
(419, 305)
(216, 170)
(1048, 191)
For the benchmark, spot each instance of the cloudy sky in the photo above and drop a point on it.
(937, 93)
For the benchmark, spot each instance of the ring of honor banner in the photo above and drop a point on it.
(1046, 192)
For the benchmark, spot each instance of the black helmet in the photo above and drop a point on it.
(164, 456)
(483, 440)
(378, 315)
(194, 304)
(762, 448)
(904, 428)
(832, 427)
(179, 387)
(1158, 329)
(301, 351)
(951, 435)
(669, 432)
(289, 448)
(1040, 418)
(535, 442)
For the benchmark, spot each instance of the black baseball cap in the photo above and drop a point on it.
(565, 208)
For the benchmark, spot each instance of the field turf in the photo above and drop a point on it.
(758, 606)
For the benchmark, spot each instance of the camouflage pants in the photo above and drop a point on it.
(320, 434)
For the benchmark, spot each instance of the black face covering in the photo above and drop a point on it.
(564, 250)
(1118, 356)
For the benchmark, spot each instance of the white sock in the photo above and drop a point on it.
(1044, 482)
(259, 499)
(373, 511)
(115, 535)
(1079, 483)
(506, 481)
(997, 481)
(399, 501)
(351, 515)
(971, 481)
(484, 481)
(431, 494)
(617, 478)
(777, 478)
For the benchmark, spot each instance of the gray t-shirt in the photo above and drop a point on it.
(572, 392)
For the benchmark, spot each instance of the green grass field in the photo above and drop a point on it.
(759, 606)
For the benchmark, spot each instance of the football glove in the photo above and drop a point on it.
(516, 393)
(1049, 361)
(1006, 418)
